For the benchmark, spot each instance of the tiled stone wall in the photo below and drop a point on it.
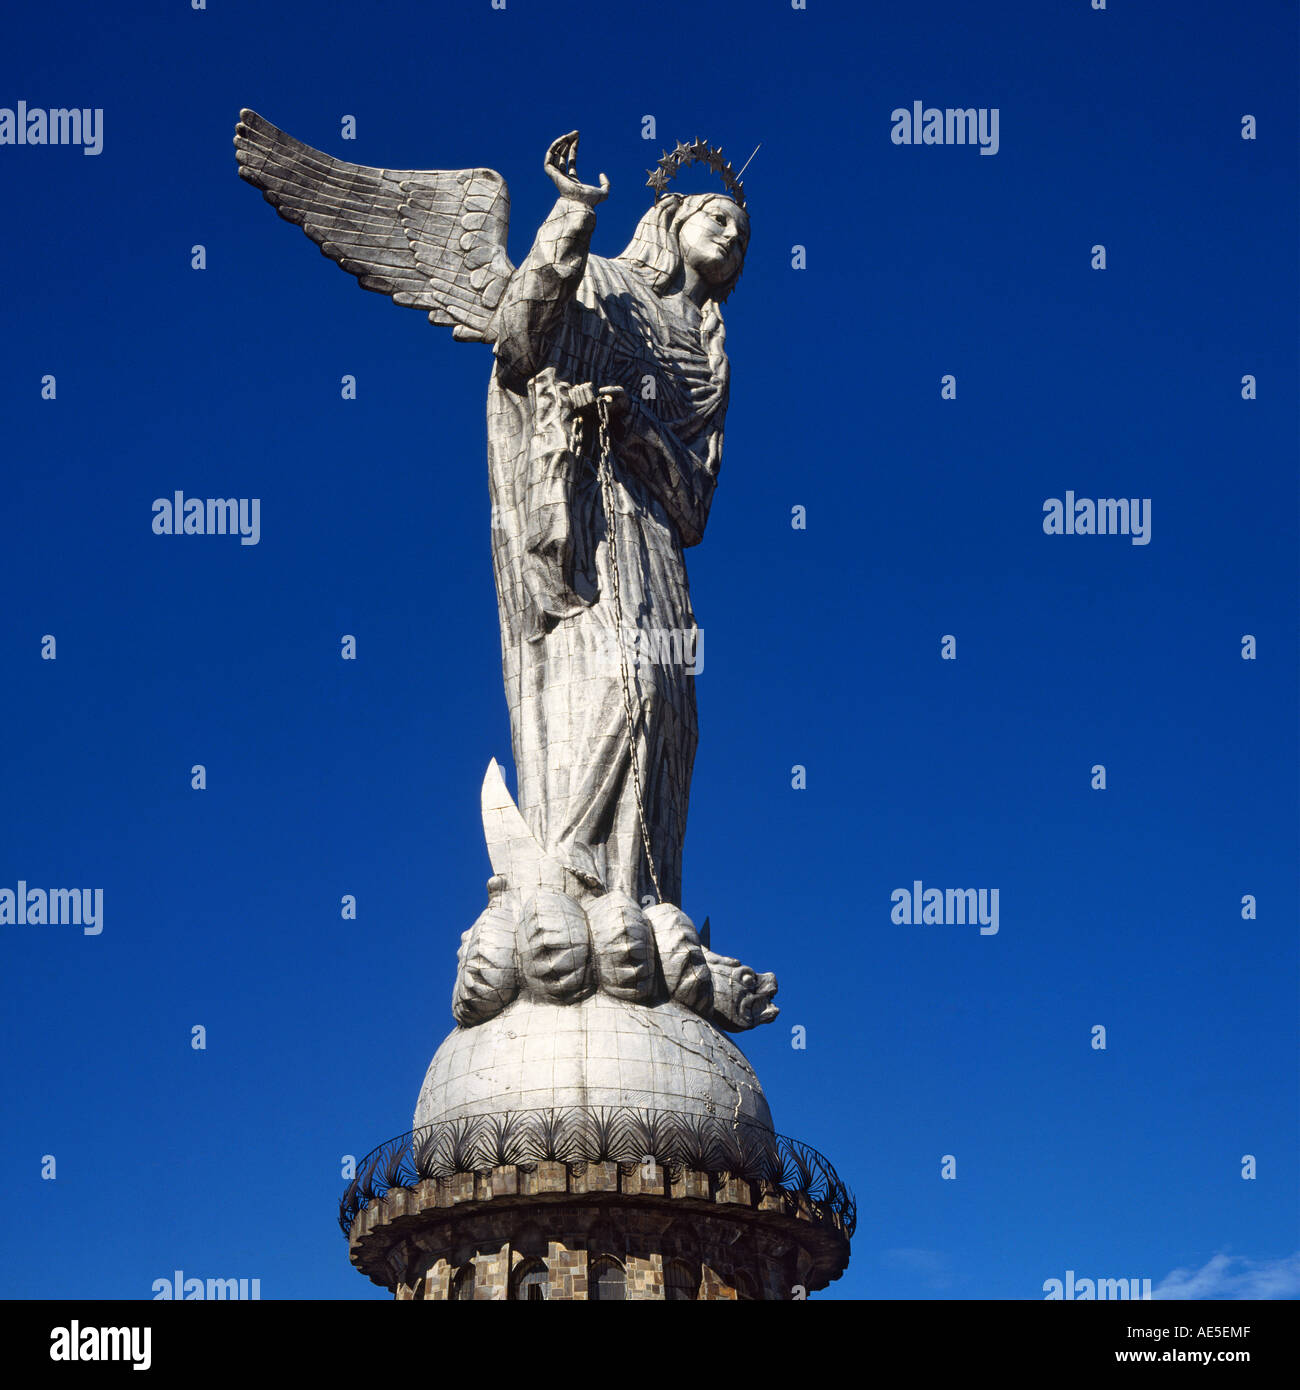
(718, 1237)
(716, 1265)
(568, 1279)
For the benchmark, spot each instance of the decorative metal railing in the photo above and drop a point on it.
(623, 1135)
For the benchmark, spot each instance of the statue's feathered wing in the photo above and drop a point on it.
(432, 239)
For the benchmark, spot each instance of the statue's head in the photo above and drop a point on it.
(707, 231)
(713, 233)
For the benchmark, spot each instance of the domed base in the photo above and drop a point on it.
(597, 1053)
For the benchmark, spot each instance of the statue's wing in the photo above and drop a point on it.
(432, 239)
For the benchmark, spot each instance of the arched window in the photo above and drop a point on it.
(680, 1283)
(529, 1283)
(463, 1287)
(605, 1279)
(744, 1286)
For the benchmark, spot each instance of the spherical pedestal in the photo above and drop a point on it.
(592, 1151)
(599, 1053)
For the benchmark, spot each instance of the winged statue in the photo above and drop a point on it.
(606, 406)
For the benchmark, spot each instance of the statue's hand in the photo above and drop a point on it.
(620, 407)
(561, 165)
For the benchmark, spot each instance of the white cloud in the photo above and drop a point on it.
(1234, 1276)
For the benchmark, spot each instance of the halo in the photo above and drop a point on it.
(697, 152)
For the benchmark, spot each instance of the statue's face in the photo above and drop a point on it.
(713, 240)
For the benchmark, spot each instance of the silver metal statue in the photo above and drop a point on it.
(605, 425)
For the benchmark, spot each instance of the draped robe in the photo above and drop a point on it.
(569, 318)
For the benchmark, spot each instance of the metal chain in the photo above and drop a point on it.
(611, 529)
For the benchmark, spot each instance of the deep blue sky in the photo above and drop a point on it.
(1119, 907)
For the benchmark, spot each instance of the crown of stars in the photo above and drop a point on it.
(697, 152)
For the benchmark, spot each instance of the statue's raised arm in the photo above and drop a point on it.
(541, 291)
